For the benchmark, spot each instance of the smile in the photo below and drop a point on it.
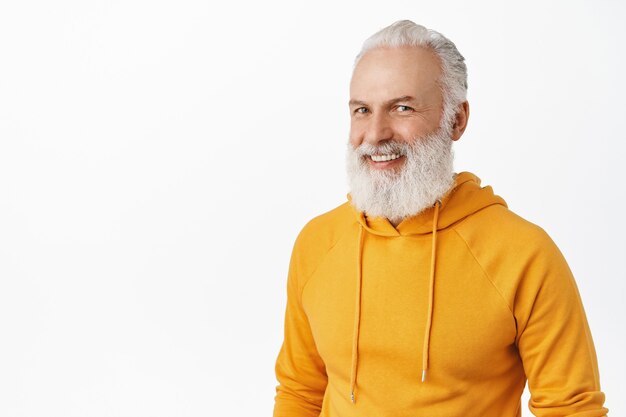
(384, 158)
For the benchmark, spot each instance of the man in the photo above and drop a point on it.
(423, 295)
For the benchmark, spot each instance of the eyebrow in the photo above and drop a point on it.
(386, 103)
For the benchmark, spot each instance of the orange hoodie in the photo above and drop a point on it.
(446, 314)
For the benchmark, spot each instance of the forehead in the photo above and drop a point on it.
(385, 73)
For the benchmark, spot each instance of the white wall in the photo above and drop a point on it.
(157, 160)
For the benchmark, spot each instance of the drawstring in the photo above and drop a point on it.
(431, 289)
(357, 319)
(357, 313)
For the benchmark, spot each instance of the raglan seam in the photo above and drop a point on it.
(321, 261)
(487, 276)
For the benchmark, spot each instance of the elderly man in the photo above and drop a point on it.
(423, 294)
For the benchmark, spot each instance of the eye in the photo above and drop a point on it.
(402, 108)
(361, 110)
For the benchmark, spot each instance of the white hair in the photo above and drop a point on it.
(453, 82)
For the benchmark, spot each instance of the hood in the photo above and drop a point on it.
(464, 198)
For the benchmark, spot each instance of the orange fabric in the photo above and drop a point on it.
(468, 290)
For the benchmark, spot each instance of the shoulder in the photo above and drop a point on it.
(324, 230)
(497, 224)
(512, 251)
(318, 237)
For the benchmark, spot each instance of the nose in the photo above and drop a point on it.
(378, 129)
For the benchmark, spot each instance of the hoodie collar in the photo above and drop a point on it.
(464, 198)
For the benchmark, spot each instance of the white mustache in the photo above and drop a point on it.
(387, 148)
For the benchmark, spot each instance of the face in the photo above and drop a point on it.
(394, 97)
(400, 158)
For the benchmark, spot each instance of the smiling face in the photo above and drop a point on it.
(399, 157)
(394, 97)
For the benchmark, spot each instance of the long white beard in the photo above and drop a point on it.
(425, 176)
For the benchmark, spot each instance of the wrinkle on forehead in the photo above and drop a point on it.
(385, 73)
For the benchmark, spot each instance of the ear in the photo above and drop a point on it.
(460, 121)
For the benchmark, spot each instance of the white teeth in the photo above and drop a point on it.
(384, 158)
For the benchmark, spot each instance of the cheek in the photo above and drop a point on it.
(410, 129)
(356, 135)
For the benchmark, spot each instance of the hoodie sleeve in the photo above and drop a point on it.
(554, 339)
(300, 371)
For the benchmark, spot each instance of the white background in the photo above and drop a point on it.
(157, 160)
